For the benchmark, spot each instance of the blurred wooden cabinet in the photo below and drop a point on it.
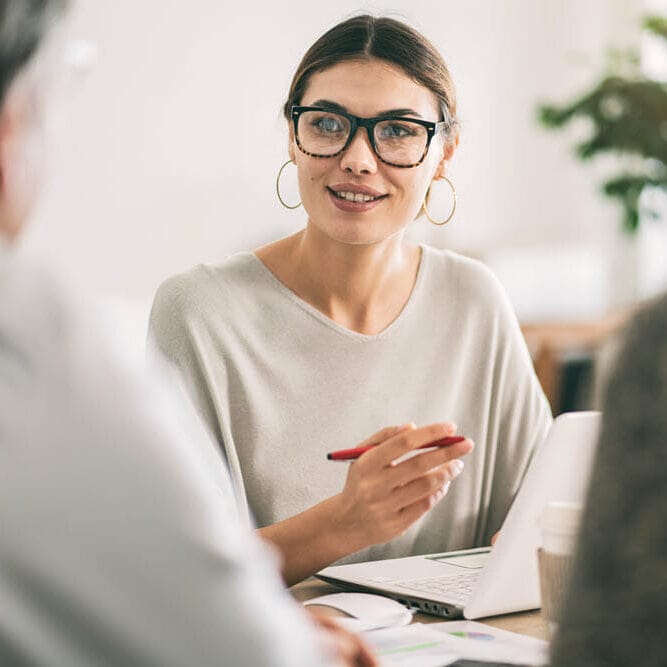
(555, 344)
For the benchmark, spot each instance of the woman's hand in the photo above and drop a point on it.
(382, 498)
(345, 647)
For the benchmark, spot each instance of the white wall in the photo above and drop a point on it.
(172, 145)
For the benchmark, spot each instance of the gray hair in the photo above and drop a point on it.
(23, 27)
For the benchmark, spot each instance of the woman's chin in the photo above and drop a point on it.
(355, 234)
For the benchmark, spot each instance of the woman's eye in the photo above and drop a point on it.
(396, 131)
(327, 124)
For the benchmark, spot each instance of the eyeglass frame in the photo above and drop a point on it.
(432, 128)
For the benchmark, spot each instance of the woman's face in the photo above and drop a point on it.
(366, 89)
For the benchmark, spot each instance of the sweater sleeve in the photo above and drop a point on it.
(520, 416)
(182, 344)
(617, 605)
(173, 333)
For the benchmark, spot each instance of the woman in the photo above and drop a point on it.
(315, 341)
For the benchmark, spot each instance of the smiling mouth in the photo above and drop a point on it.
(358, 197)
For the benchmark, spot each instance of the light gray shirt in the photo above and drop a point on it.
(280, 385)
(119, 540)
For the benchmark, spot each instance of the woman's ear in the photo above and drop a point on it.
(290, 147)
(447, 154)
(22, 147)
(9, 163)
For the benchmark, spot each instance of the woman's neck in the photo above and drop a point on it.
(361, 287)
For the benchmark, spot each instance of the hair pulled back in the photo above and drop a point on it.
(364, 37)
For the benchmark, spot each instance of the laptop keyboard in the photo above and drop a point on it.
(456, 589)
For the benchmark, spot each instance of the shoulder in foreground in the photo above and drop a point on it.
(465, 275)
(651, 320)
(34, 305)
(645, 340)
(43, 321)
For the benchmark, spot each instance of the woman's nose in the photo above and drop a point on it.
(359, 157)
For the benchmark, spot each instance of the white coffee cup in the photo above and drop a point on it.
(559, 524)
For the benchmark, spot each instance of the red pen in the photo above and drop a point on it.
(356, 452)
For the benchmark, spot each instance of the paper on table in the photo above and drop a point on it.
(434, 645)
(485, 642)
(413, 645)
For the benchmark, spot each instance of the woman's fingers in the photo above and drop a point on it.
(422, 463)
(405, 441)
(381, 497)
(409, 514)
(427, 485)
(385, 434)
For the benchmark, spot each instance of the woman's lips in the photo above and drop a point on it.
(355, 199)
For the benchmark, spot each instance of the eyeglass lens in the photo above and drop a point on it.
(400, 142)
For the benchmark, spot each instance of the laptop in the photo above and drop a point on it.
(481, 582)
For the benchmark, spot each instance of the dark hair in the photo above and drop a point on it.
(23, 26)
(364, 37)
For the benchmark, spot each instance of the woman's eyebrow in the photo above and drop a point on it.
(328, 104)
(334, 106)
(399, 112)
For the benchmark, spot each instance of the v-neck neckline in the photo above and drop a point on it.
(332, 324)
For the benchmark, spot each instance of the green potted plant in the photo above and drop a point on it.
(628, 114)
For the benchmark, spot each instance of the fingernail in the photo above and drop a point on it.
(458, 467)
(440, 493)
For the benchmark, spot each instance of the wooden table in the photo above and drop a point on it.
(530, 623)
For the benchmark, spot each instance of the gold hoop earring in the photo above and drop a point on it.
(451, 214)
(282, 201)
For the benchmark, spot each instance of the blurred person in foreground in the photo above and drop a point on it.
(120, 543)
(616, 612)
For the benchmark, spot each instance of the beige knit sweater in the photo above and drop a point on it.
(280, 385)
